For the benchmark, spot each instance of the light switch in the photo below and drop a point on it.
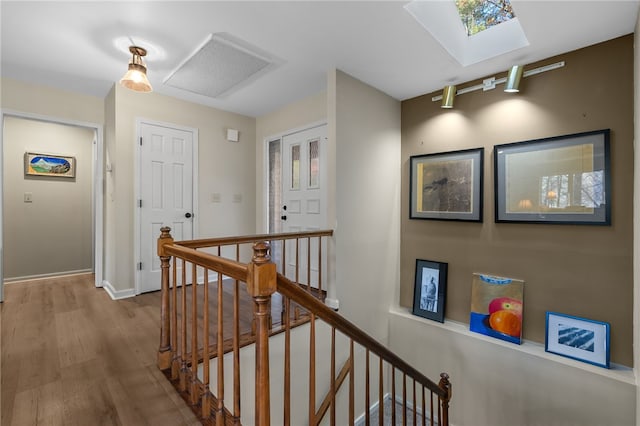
(216, 197)
(28, 197)
(237, 198)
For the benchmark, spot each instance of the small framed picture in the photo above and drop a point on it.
(578, 338)
(430, 289)
(36, 164)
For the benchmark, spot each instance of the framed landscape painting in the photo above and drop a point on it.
(36, 164)
(447, 186)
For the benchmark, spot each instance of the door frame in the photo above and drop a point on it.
(137, 244)
(265, 164)
(97, 192)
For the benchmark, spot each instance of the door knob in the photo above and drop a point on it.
(283, 217)
(188, 215)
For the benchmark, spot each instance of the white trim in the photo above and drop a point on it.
(137, 190)
(48, 276)
(97, 190)
(118, 294)
(332, 303)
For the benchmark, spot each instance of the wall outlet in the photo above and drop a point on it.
(28, 197)
(216, 197)
(237, 198)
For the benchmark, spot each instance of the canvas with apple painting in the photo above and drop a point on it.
(496, 307)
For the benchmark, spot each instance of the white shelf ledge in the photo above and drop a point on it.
(617, 372)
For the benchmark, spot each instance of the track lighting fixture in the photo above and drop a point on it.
(448, 96)
(513, 79)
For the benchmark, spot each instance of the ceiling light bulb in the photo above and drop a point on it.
(136, 76)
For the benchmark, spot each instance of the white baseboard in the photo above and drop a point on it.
(45, 276)
(117, 294)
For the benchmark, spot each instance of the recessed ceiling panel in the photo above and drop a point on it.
(220, 66)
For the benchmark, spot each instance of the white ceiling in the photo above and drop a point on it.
(82, 46)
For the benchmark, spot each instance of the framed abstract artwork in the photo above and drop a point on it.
(578, 338)
(447, 186)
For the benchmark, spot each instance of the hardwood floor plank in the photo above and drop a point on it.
(73, 356)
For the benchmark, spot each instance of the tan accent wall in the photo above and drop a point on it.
(579, 270)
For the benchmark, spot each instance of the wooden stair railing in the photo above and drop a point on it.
(199, 325)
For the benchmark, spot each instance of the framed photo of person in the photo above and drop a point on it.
(430, 289)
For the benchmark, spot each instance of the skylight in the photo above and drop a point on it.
(478, 15)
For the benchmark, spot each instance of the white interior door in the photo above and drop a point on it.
(166, 194)
(304, 197)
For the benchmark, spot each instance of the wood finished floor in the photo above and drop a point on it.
(72, 356)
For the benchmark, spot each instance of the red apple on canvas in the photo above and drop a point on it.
(506, 304)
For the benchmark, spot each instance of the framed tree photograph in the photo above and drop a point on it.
(558, 180)
(447, 186)
(430, 289)
(578, 338)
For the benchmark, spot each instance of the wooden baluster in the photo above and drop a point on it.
(261, 284)
(333, 377)
(320, 267)
(206, 374)
(164, 350)
(287, 361)
(393, 395)
(415, 407)
(424, 408)
(380, 394)
(284, 258)
(432, 414)
(183, 331)
(309, 264)
(220, 359)
(297, 261)
(194, 335)
(351, 384)
(367, 403)
(175, 365)
(312, 370)
(404, 399)
(445, 385)
(236, 346)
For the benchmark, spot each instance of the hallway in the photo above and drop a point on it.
(72, 356)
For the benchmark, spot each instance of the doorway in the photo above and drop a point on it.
(68, 238)
(297, 186)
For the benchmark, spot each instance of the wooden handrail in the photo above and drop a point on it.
(291, 290)
(230, 268)
(226, 241)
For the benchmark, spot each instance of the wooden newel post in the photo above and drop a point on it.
(164, 351)
(445, 385)
(261, 284)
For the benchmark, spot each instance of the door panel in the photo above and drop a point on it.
(166, 192)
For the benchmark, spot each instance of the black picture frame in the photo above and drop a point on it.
(558, 180)
(447, 185)
(429, 302)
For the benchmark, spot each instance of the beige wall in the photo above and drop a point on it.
(296, 115)
(580, 270)
(39, 238)
(636, 211)
(226, 168)
(366, 129)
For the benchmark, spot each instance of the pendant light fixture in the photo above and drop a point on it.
(136, 77)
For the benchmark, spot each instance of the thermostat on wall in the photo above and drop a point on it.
(232, 135)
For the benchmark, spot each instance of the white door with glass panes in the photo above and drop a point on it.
(304, 199)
